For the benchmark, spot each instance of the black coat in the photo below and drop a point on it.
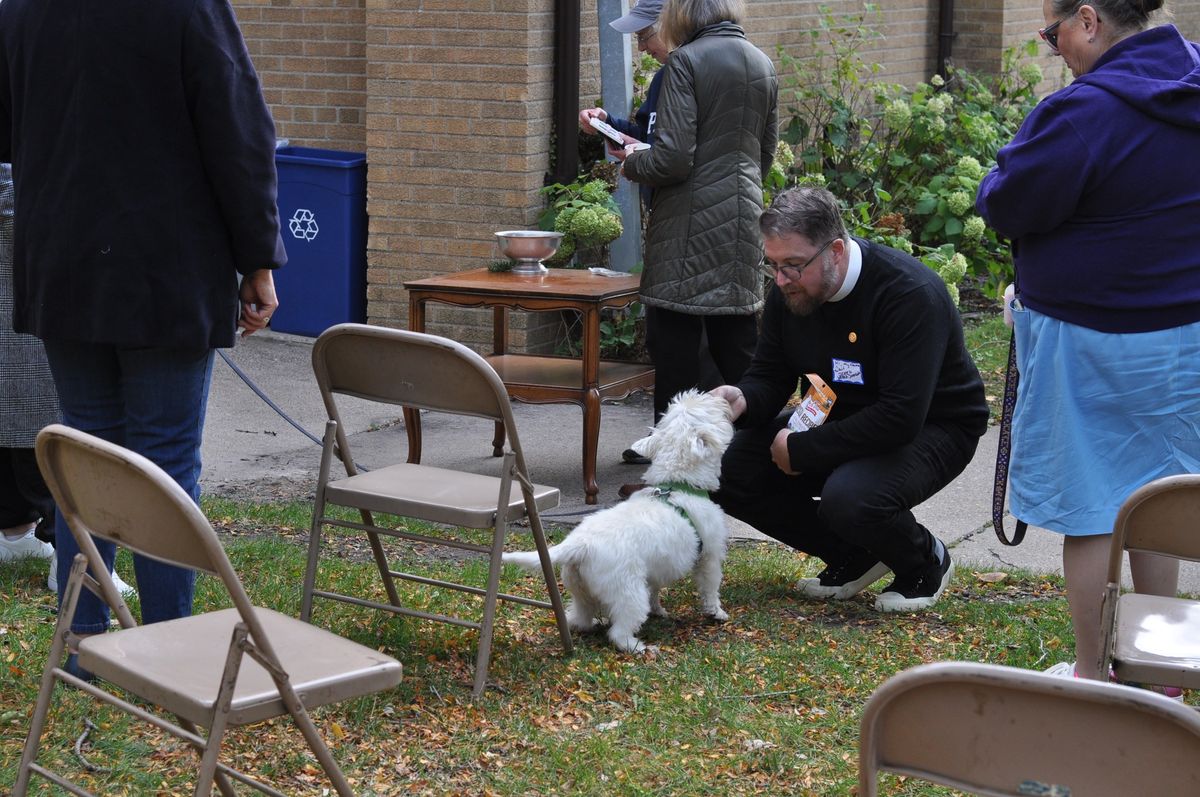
(143, 157)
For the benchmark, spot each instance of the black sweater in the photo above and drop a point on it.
(897, 340)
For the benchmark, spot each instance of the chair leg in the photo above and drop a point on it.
(314, 555)
(381, 561)
(314, 534)
(495, 565)
(539, 540)
(315, 743)
(216, 731)
(487, 628)
(223, 783)
(57, 647)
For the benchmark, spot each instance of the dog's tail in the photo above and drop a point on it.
(563, 553)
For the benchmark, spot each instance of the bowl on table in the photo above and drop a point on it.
(528, 248)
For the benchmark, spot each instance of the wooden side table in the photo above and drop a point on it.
(533, 378)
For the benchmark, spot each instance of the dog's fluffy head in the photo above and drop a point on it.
(687, 444)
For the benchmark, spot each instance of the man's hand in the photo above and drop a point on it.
(733, 397)
(258, 299)
(779, 451)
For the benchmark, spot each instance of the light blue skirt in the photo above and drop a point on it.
(1098, 415)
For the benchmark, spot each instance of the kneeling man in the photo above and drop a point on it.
(877, 328)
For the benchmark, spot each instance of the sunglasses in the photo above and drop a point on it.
(1049, 33)
(793, 273)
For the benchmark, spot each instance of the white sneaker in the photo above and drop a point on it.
(23, 546)
(1064, 669)
(52, 580)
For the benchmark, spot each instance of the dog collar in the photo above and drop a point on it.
(666, 488)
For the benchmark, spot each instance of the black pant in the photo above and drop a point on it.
(673, 341)
(864, 503)
(24, 496)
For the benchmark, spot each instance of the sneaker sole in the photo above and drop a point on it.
(895, 602)
(813, 588)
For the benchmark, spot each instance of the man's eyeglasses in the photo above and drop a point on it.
(1049, 33)
(644, 37)
(793, 273)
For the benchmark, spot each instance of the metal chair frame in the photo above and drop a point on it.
(1153, 639)
(421, 371)
(115, 494)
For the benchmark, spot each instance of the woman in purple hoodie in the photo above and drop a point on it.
(1098, 193)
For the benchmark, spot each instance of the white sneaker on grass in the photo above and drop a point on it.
(1064, 669)
(52, 581)
(27, 545)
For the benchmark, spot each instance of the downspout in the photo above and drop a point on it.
(566, 92)
(946, 34)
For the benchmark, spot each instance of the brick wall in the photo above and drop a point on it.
(458, 114)
(312, 60)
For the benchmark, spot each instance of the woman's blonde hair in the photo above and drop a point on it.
(681, 18)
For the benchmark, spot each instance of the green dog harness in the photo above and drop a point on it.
(664, 492)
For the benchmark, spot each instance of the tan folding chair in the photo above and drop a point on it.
(224, 668)
(1001, 731)
(1151, 639)
(427, 372)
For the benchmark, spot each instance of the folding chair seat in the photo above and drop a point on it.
(425, 372)
(1002, 731)
(225, 668)
(1152, 639)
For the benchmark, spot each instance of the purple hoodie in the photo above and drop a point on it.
(1100, 191)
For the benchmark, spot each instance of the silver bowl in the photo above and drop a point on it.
(528, 248)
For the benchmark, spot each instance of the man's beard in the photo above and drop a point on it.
(802, 303)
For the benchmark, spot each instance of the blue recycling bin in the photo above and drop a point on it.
(323, 212)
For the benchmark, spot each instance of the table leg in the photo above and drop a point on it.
(412, 417)
(591, 441)
(499, 347)
(591, 400)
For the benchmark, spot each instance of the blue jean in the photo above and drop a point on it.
(151, 401)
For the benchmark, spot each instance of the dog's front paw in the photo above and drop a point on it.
(720, 615)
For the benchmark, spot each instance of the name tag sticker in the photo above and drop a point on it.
(847, 371)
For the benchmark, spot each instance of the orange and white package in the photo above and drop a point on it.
(814, 407)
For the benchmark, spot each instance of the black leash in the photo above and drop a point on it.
(1004, 444)
(1004, 449)
(258, 392)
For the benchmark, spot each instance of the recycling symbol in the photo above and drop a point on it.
(303, 224)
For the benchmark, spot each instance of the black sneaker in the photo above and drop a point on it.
(844, 579)
(909, 592)
(631, 457)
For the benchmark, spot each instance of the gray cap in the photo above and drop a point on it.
(641, 16)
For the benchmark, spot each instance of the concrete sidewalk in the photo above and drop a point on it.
(250, 452)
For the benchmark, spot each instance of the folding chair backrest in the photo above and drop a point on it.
(408, 368)
(122, 497)
(118, 495)
(1162, 516)
(994, 730)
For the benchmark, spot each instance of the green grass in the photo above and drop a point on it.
(766, 703)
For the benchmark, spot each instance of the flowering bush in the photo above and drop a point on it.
(586, 214)
(906, 163)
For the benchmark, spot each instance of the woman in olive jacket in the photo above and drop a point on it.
(715, 137)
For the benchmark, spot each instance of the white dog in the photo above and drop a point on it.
(615, 561)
